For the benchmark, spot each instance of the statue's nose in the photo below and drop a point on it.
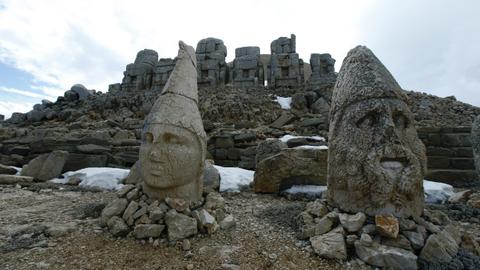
(155, 155)
(390, 134)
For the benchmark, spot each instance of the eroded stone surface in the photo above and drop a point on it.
(376, 161)
(173, 146)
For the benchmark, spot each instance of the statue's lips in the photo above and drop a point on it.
(156, 172)
(397, 163)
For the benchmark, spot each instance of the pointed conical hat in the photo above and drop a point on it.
(178, 103)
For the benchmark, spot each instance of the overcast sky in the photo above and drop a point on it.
(47, 46)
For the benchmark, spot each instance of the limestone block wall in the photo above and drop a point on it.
(450, 155)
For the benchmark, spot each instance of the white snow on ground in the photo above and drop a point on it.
(307, 189)
(233, 178)
(284, 102)
(19, 170)
(311, 147)
(287, 137)
(436, 192)
(99, 177)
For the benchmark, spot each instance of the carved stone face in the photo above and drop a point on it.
(170, 156)
(377, 161)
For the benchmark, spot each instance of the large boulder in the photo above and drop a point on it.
(180, 226)
(385, 256)
(292, 166)
(269, 148)
(46, 166)
(211, 178)
(81, 91)
(330, 245)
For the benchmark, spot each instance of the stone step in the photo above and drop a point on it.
(450, 151)
(456, 178)
(441, 162)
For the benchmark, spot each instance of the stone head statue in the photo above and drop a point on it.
(376, 162)
(173, 146)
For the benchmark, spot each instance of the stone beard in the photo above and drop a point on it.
(376, 161)
(171, 160)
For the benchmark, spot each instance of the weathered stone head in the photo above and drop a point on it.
(376, 162)
(173, 146)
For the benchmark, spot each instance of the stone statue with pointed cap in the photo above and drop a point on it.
(376, 162)
(173, 146)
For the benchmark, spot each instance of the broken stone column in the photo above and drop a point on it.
(323, 76)
(162, 71)
(173, 149)
(211, 67)
(376, 162)
(247, 69)
(139, 75)
(286, 67)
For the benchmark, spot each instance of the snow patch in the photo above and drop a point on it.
(436, 192)
(321, 147)
(233, 178)
(285, 102)
(97, 177)
(287, 137)
(306, 189)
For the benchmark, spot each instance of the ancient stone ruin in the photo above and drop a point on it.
(376, 161)
(139, 75)
(162, 72)
(211, 66)
(247, 70)
(323, 74)
(286, 67)
(173, 137)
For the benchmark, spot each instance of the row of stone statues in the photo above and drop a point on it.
(283, 68)
(376, 161)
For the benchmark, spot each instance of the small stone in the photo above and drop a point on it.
(352, 223)
(387, 226)
(323, 225)
(470, 244)
(179, 226)
(407, 224)
(228, 266)
(385, 256)
(128, 214)
(399, 242)
(156, 243)
(330, 245)
(179, 205)
(228, 222)
(140, 212)
(206, 221)
(143, 231)
(186, 245)
(124, 190)
(366, 239)
(317, 208)
(156, 215)
(416, 239)
(133, 194)
(189, 266)
(220, 214)
(439, 248)
(114, 208)
(7, 170)
(214, 201)
(117, 226)
(73, 180)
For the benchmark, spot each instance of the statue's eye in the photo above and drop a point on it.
(369, 120)
(148, 137)
(400, 120)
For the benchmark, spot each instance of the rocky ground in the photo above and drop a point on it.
(45, 226)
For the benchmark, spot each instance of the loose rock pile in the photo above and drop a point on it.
(136, 215)
(383, 241)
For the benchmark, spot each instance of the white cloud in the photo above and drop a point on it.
(7, 108)
(20, 92)
(428, 45)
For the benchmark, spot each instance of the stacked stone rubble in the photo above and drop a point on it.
(247, 69)
(136, 215)
(162, 71)
(323, 75)
(139, 75)
(211, 66)
(286, 67)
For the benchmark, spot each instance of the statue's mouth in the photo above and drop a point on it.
(394, 164)
(156, 172)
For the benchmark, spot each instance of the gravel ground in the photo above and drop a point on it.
(49, 228)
